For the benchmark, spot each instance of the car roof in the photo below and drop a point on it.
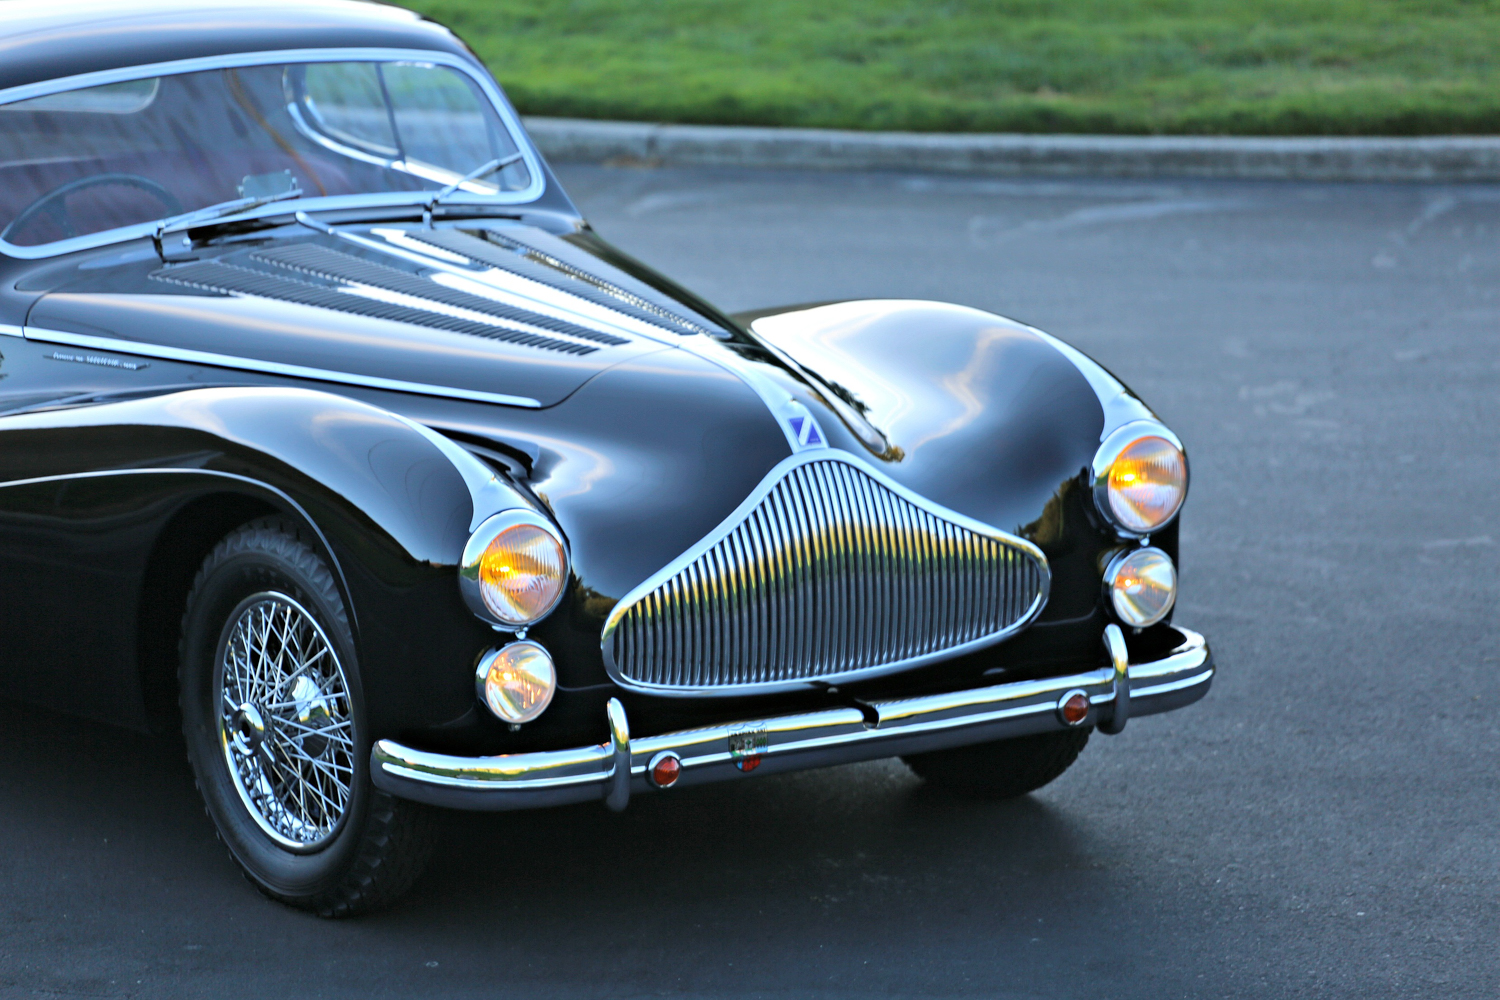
(47, 39)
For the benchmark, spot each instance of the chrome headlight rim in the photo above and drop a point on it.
(1112, 572)
(474, 549)
(1109, 452)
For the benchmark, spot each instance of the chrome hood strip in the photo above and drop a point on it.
(139, 349)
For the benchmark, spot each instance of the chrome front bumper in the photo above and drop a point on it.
(613, 771)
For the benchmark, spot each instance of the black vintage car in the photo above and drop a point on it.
(331, 433)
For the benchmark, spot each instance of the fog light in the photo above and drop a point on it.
(665, 769)
(1073, 707)
(1142, 586)
(516, 682)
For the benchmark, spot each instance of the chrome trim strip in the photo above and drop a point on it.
(777, 744)
(325, 546)
(736, 518)
(783, 406)
(271, 367)
(240, 59)
(6, 330)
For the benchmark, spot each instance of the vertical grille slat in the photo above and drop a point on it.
(832, 573)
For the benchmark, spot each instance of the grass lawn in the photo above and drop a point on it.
(1396, 67)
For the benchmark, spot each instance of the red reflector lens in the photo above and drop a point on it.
(666, 771)
(1075, 708)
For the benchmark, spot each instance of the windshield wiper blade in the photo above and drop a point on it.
(473, 175)
(219, 211)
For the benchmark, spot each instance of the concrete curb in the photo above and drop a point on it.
(1444, 159)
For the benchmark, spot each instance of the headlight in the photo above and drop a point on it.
(1140, 477)
(516, 682)
(514, 569)
(1142, 586)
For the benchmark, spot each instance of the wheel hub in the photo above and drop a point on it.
(249, 729)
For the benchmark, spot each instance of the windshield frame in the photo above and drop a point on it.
(386, 199)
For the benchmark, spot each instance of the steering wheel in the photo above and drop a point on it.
(54, 203)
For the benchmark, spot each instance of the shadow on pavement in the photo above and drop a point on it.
(827, 882)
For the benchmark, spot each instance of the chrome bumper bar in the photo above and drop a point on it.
(614, 770)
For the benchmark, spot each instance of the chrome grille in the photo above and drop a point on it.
(834, 571)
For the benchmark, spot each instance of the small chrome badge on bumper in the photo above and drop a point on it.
(746, 746)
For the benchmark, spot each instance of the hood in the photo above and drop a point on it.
(495, 315)
(978, 413)
(635, 412)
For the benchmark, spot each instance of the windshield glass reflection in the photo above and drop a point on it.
(98, 158)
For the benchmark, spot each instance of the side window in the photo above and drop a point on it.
(346, 102)
(108, 99)
(441, 119)
(426, 121)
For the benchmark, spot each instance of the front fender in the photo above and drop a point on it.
(390, 502)
(976, 411)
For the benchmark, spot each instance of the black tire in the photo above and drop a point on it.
(1004, 769)
(359, 848)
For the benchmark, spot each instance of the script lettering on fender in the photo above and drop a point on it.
(102, 360)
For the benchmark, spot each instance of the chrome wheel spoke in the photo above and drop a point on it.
(333, 732)
(285, 711)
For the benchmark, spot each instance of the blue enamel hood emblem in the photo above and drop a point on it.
(806, 431)
(800, 426)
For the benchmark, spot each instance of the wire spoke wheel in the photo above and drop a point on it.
(286, 722)
(273, 717)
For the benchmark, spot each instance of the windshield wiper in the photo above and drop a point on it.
(210, 212)
(473, 175)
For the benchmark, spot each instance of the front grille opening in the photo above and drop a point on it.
(832, 573)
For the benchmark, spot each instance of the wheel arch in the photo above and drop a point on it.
(181, 545)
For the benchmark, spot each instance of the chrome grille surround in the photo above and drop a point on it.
(829, 571)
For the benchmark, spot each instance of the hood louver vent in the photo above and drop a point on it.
(335, 265)
(214, 276)
(509, 254)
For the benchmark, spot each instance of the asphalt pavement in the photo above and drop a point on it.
(1326, 823)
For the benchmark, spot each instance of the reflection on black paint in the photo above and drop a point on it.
(639, 451)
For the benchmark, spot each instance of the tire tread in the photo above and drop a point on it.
(1004, 769)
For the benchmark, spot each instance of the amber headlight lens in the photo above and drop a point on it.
(1140, 478)
(514, 568)
(1142, 586)
(516, 682)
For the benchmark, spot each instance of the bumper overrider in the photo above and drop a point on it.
(614, 770)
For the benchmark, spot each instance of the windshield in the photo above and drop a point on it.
(89, 160)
